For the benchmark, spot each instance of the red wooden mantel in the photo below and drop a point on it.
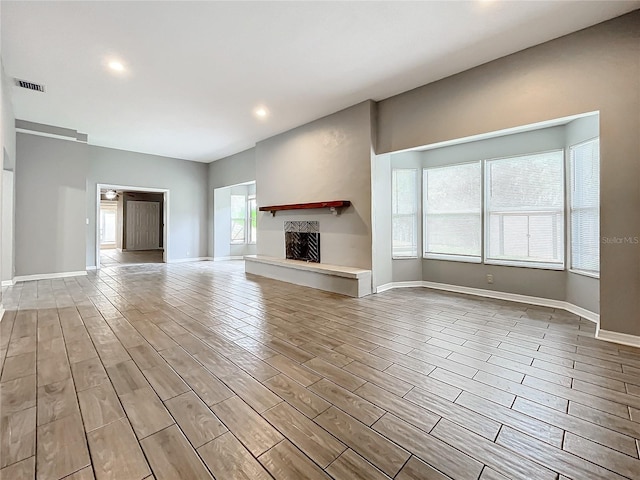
(334, 206)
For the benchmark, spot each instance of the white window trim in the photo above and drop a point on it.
(453, 258)
(584, 273)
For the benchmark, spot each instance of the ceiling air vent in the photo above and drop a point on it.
(30, 85)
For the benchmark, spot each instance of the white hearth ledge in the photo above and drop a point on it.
(354, 282)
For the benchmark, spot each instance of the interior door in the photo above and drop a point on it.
(143, 225)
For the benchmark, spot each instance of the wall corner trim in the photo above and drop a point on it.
(48, 276)
(1, 312)
(511, 297)
(616, 337)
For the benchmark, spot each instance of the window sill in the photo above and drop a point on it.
(521, 264)
(585, 273)
(452, 258)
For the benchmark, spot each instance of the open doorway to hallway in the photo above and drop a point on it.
(130, 226)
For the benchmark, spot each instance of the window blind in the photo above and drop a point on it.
(453, 208)
(585, 206)
(404, 212)
(525, 210)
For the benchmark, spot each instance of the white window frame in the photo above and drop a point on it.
(250, 238)
(415, 214)
(524, 263)
(570, 169)
(449, 256)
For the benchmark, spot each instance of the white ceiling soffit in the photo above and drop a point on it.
(194, 72)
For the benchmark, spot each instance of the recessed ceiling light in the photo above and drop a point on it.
(260, 112)
(117, 66)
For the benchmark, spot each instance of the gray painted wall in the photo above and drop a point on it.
(381, 208)
(50, 205)
(187, 185)
(594, 69)
(328, 159)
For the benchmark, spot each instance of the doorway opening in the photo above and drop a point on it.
(131, 225)
(235, 221)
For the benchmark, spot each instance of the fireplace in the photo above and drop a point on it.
(302, 240)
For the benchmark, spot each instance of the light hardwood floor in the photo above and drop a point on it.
(195, 371)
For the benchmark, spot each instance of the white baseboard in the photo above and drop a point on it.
(615, 337)
(392, 285)
(91, 268)
(48, 276)
(8, 283)
(511, 297)
(192, 259)
(1, 312)
(232, 257)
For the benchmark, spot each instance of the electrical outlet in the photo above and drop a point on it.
(489, 278)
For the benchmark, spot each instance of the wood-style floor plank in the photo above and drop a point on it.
(249, 427)
(315, 442)
(241, 377)
(226, 457)
(171, 456)
(429, 448)
(196, 420)
(295, 394)
(55, 462)
(284, 461)
(381, 452)
(116, 453)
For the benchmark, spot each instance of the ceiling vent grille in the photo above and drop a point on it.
(30, 85)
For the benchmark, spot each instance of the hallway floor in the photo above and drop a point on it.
(111, 257)
(196, 370)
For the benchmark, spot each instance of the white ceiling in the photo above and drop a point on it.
(195, 71)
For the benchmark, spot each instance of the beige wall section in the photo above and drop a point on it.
(594, 69)
(328, 159)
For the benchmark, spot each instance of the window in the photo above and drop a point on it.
(585, 201)
(404, 208)
(525, 210)
(253, 219)
(243, 219)
(453, 212)
(238, 218)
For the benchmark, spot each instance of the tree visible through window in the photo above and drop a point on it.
(238, 218)
(244, 219)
